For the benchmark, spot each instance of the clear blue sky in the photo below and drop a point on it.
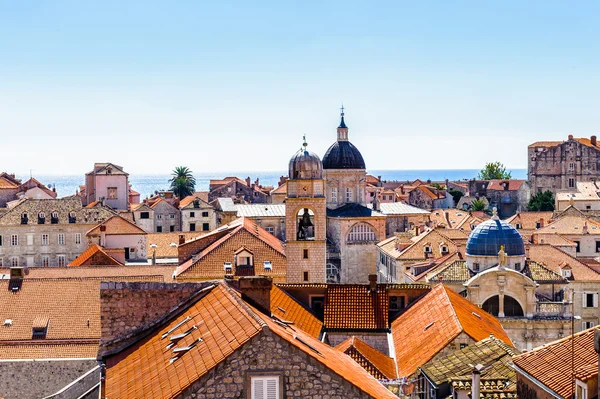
(227, 85)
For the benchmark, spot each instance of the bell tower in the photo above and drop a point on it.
(305, 219)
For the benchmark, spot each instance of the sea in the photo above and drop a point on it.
(148, 185)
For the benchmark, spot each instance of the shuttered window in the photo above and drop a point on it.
(265, 388)
(590, 300)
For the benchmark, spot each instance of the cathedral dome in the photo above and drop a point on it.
(305, 165)
(486, 239)
(343, 154)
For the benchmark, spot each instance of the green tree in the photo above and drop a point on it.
(438, 186)
(478, 205)
(456, 195)
(182, 182)
(543, 201)
(494, 171)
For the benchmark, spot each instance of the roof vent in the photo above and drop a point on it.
(7, 322)
(476, 315)
(428, 326)
(268, 265)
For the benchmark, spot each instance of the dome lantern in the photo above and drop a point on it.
(305, 165)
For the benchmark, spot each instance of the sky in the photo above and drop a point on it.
(232, 85)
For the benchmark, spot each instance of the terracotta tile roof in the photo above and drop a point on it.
(117, 225)
(282, 189)
(569, 225)
(545, 144)
(459, 364)
(416, 250)
(286, 308)
(164, 242)
(105, 273)
(242, 232)
(498, 185)
(224, 323)
(450, 218)
(455, 272)
(554, 259)
(428, 191)
(541, 274)
(355, 307)
(419, 271)
(586, 372)
(201, 195)
(430, 324)
(376, 363)
(95, 256)
(556, 240)
(5, 183)
(529, 220)
(38, 349)
(547, 364)
(68, 305)
(92, 204)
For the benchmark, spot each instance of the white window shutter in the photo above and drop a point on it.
(272, 388)
(595, 300)
(258, 388)
(265, 388)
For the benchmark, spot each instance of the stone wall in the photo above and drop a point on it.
(7, 195)
(40, 378)
(302, 375)
(125, 307)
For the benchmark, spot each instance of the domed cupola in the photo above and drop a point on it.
(343, 154)
(305, 165)
(486, 241)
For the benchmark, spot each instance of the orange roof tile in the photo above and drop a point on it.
(286, 308)
(430, 324)
(201, 195)
(117, 225)
(165, 241)
(95, 256)
(282, 189)
(547, 363)
(106, 273)
(553, 258)
(5, 183)
(41, 349)
(354, 306)
(498, 185)
(376, 363)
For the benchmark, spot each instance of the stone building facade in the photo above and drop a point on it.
(559, 165)
(109, 183)
(49, 232)
(143, 216)
(9, 187)
(197, 215)
(238, 189)
(166, 216)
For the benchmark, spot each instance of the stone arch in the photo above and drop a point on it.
(362, 232)
(305, 225)
(512, 307)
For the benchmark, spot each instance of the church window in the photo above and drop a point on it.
(332, 273)
(475, 267)
(348, 194)
(571, 182)
(61, 260)
(518, 266)
(578, 249)
(14, 261)
(571, 166)
(362, 232)
(334, 194)
(77, 238)
(305, 276)
(305, 254)
(45, 239)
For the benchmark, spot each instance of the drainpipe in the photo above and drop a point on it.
(475, 381)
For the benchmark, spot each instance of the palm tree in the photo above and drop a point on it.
(478, 205)
(182, 182)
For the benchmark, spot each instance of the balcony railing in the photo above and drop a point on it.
(551, 309)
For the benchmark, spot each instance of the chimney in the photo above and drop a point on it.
(256, 183)
(181, 239)
(541, 222)
(248, 181)
(373, 282)
(585, 227)
(570, 137)
(102, 235)
(256, 290)
(16, 278)
(476, 381)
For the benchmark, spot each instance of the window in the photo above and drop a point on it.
(14, 240)
(475, 267)
(571, 166)
(518, 226)
(24, 218)
(305, 254)
(571, 182)
(159, 216)
(566, 272)
(463, 346)
(588, 207)
(45, 261)
(192, 214)
(112, 193)
(45, 239)
(348, 194)
(41, 218)
(444, 249)
(14, 261)
(192, 226)
(61, 239)
(172, 216)
(205, 227)
(1, 262)
(265, 388)
(427, 249)
(144, 215)
(29, 239)
(171, 228)
(72, 217)
(270, 229)
(316, 303)
(518, 266)
(77, 238)
(590, 299)
(227, 267)
(61, 260)
(0, 241)
(578, 250)
(587, 324)
(334, 194)
(268, 265)
(597, 246)
(204, 214)
(54, 218)
(305, 276)
(159, 229)
(196, 204)
(538, 225)
(362, 232)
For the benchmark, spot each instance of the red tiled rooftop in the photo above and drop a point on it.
(354, 306)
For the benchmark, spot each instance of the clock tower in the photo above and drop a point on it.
(305, 219)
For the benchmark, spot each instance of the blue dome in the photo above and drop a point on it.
(486, 239)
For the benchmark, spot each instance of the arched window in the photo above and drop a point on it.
(512, 308)
(333, 273)
(41, 218)
(362, 232)
(305, 229)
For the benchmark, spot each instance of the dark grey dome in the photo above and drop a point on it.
(305, 165)
(486, 239)
(343, 155)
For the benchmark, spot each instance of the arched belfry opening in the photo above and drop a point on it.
(305, 223)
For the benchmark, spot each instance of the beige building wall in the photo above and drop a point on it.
(203, 218)
(118, 181)
(338, 180)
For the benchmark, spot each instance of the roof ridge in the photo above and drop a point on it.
(455, 318)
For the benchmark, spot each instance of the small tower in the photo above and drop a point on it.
(305, 219)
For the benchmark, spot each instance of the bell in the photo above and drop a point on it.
(306, 219)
